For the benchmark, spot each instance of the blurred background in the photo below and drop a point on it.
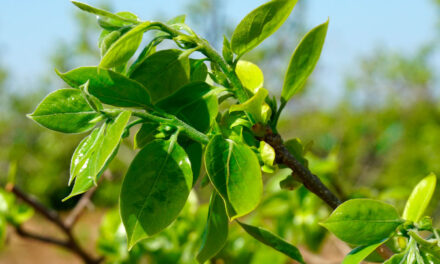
(370, 116)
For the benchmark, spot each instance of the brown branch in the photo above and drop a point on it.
(70, 243)
(78, 210)
(310, 180)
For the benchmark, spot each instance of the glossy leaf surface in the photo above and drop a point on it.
(216, 229)
(420, 198)
(363, 221)
(96, 153)
(260, 24)
(163, 73)
(273, 241)
(155, 189)
(108, 86)
(194, 103)
(304, 60)
(234, 170)
(66, 111)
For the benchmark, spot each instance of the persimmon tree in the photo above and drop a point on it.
(192, 120)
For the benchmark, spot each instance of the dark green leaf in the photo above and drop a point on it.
(260, 24)
(296, 148)
(304, 60)
(360, 253)
(65, 110)
(163, 73)
(145, 134)
(195, 152)
(97, 152)
(108, 86)
(216, 229)
(420, 198)
(199, 71)
(155, 189)
(234, 170)
(194, 103)
(273, 241)
(125, 47)
(363, 221)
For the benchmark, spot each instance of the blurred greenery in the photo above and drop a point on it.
(379, 140)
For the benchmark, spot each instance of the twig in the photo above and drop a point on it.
(70, 243)
(78, 210)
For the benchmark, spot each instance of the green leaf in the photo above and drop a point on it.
(234, 170)
(296, 148)
(145, 134)
(363, 221)
(103, 13)
(66, 111)
(199, 70)
(360, 253)
(250, 75)
(114, 24)
(195, 154)
(303, 61)
(260, 24)
(420, 198)
(163, 73)
(155, 189)
(125, 47)
(216, 230)
(95, 153)
(256, 107)
(273, 241)
(108, 40)
(195, 103)
(108, 86)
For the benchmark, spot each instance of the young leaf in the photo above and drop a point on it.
(155, 189)
(273, 241)
(296, 148)
(108, 40)
(250, 75)
(114, 24)
(256, 107)
(260, 24)
(216, 230)
(103, 13)
(234, 170)
(103, 148)
(163, 73)
(66, 111)
(397, 259)
(363, 221)
(420, 198)
(360, 253)
(303, 61)
(194, 103)
(108, 86)
(226, 51)
(125, 47)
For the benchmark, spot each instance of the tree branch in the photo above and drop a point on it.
(78, 210)
(70, 243)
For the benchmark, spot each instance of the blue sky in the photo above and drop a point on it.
(29, 29)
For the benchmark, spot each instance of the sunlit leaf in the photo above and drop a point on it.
(420, 198)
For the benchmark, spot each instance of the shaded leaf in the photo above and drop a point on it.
(163, 73)
(273, 241)
(145, 134)
(234, 170)
(216, 230)
(108, 86)
(260, 24)
(66, 111)
(195, 103)
(363, 221)
(199, 70)
(155, 189)
(304, 60)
